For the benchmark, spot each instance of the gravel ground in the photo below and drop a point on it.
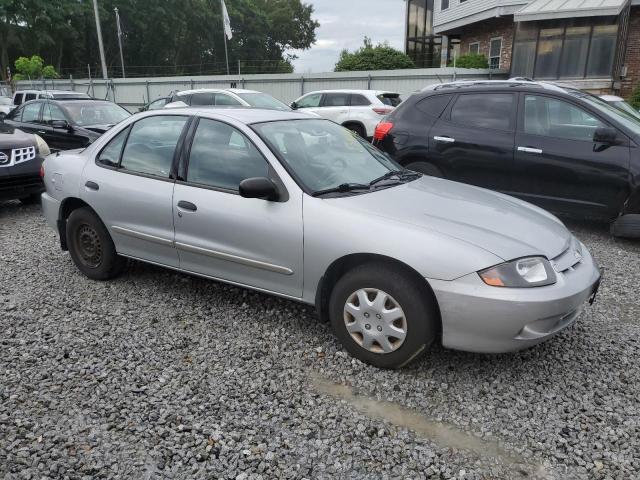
(162, 375)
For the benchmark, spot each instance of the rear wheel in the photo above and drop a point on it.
(425, 168)
(358, 129)
(626, 226)
(383, 316)
(91, 246)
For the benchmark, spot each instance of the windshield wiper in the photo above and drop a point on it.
(401, 174)
(342, 188)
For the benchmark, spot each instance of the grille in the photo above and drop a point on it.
(569, 259)
(20, 181)
(16, 156)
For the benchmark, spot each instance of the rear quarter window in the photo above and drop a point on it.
(434, 105)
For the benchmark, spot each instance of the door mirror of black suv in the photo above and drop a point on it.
(258, 187)
(61, 124)
(294, 106)
(605, 135)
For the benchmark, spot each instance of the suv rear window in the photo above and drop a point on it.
(484, 110)
(391, 99)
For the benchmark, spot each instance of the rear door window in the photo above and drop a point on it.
(336, 100)
(31, 112)
(202, 99)
(485, 110)
(30, 96)
(18, 98)
(152, 144)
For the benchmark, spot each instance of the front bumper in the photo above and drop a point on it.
(480, 318)
(50, 210)
(20, 186)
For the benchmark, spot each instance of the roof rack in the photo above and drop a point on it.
(512, 82)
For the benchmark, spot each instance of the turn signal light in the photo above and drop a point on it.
(382, 130)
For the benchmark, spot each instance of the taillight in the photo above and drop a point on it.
(382, 130)
(383, 111)
(42, 171)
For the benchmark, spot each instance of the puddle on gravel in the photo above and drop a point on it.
(442, 434)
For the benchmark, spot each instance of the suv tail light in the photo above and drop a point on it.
(42, 171)
(383, 110)
(382, 130)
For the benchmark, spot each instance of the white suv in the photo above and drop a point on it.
(358, 110)
(224, 97)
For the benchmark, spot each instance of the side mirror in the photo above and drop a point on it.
(2, 115)
(258, 187)
(294, 106)
(61, 124)
(605, 135)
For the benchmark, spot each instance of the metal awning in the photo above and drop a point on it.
(550, 9)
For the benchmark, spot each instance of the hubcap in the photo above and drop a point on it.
(375, 320)
(89, 246)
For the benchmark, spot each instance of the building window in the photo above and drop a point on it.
(495, 49)
(571, 48)
(444, 4)
(421, 45)
(474, 48)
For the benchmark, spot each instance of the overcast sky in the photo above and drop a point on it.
(344, 23)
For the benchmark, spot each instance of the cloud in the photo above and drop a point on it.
(344, 24)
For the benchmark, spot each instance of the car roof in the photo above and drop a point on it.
(494, 84)
(244, 115)
(215, 90)
(59, 92)
(83, 101)
(352, 90)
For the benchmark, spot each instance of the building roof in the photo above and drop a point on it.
(550, 9)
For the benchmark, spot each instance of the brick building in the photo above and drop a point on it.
(593, 45)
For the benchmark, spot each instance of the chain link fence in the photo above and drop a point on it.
(133, 93)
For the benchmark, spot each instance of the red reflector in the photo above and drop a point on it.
(383, 111)
(382, 129)
(42, 171)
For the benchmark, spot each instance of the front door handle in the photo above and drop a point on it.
(92, 185)
(530, 150)
(42, 132)
(187, 206)
(444, 139)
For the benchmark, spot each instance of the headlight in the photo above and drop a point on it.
(41, 146)
(524, 272)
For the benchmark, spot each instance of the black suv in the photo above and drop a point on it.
(563, 149)
(21, 156)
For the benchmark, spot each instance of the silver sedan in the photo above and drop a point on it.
(299, 207)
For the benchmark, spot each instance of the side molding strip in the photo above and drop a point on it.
(142, 236)
(234, 258)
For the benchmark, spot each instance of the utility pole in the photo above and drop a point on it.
(100, 45)
(120, 40)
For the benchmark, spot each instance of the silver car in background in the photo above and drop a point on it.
(302, 208)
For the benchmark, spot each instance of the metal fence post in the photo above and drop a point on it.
(191, 82)
(301, 85)
(369, 82)
(148, 94)
(73, 87)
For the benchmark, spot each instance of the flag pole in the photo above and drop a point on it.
(224, 34)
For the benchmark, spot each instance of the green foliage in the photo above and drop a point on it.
(368, 57)
(161, 37)
(33, 68)
(635, 98)
(471, 60)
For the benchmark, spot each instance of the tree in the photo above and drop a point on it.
(368, 57)
(635, 98)
(471, 60)
(33, 68)
(161, 37)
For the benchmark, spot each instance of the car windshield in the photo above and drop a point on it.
(629, 120)
(96, 114)
(324, 155)
(262, 100)
(626, 108)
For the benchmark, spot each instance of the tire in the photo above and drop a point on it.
(626, 226)
(416, 302)
(425, 168)
(358, 129)
(91, 246)
(31, 199)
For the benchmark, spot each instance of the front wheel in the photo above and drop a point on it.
(91, 246)
(382, 315)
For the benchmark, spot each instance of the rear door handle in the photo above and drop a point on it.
(92, 185)
(187, 206)
(42, 132)
(444, 139)
(530, 150)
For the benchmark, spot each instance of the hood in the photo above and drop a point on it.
(505, 226)
(11, 137)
